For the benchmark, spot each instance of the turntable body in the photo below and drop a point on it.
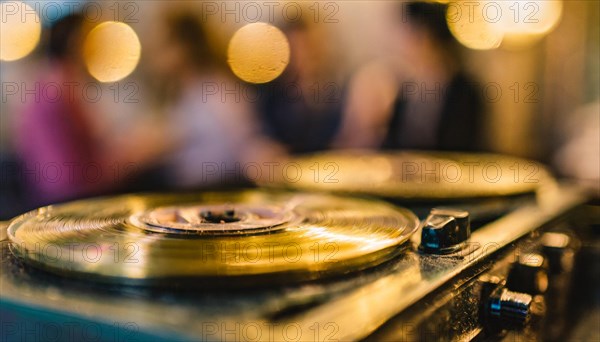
(495, 262)
(352, 307)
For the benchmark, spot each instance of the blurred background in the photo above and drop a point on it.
(104, 97)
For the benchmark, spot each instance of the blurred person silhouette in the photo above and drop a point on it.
(302, 108)
(421, 98)
(64, 153)
(209, 118)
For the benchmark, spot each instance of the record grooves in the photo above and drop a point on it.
(146, 239)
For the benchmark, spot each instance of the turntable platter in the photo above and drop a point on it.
(414, 175)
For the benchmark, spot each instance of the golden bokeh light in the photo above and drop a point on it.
(20, 30)
(111, 51)
(484, 25)
(529, 17)
(527, 22)
(258, 53)
(471, 28)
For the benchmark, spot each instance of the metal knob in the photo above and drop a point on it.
(445, 231)
(503, 308)
(512, 308)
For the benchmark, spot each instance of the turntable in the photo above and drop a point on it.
(396, 246)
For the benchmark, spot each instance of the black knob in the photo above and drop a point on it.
(559, 250)
(445, 231)
(528, 274)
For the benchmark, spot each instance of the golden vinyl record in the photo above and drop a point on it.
(412, 175)
(211, 235)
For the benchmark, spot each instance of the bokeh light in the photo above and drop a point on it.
(527, 22)
(258, 53)
(533, 17)
(20, 29)
(471, 28)
(111, 51)
(486, 24)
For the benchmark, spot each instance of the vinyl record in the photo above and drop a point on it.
(153, 238)
(412, 175)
